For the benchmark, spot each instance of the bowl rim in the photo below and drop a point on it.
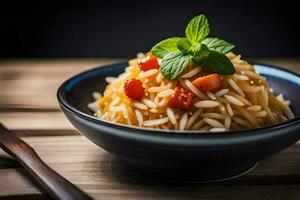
(64, 104)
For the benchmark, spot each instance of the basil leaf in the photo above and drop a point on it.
(214, 62)
(184, 45)
(176, 52)
(200, 50)
(164, 47)
(197, 29)
(173, 64)
(218, 45)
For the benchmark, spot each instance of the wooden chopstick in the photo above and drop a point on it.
(53, 183)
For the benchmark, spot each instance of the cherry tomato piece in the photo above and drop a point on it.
(134, 89)
(149, 62)
(181, 99)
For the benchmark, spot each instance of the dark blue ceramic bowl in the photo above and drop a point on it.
(182, 155)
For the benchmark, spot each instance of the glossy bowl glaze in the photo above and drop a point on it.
(181, 155)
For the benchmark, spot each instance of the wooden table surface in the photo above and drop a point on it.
(28, 106)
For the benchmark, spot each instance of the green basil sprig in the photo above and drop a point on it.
(173, 59)
(176, 52)
(164, 47)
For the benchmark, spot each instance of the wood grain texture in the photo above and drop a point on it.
(35, 120)
(50, 181)
(28, 105)
(96, 172)
(33, 83)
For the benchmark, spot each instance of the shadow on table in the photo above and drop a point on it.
(254, 185)
(117, 170)
(7, 162)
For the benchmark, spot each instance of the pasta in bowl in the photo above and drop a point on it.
(159, 111)
(241, 100)
(191, 83)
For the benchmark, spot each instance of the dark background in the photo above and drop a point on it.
(122, 28)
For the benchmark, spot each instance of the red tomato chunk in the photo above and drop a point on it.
(149, 62)
(134, 89)
(181, 99)
(208, 83)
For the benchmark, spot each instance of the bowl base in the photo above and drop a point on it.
(203, 174)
